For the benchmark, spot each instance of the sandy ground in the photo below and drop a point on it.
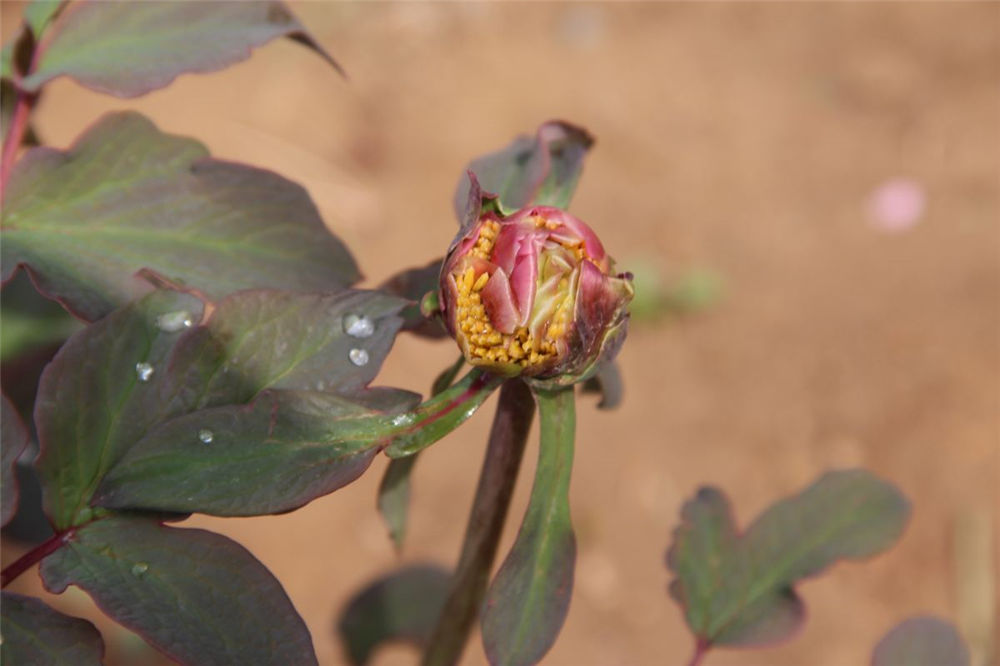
(741, 138)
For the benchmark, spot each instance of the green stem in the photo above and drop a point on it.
(482, 535)
(430, 421)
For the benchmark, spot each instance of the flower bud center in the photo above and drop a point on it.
(530, 345)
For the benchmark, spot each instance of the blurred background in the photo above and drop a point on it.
(809, 195)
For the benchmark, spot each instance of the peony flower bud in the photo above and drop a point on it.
(534, 294)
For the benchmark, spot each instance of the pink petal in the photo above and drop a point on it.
(524, 278)
(597, 304)
(499, 302)
(507, 246)
(576, 228)
(448, 296)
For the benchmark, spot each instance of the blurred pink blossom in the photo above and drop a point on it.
(896, 205)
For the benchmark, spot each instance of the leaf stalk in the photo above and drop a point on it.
(700, 650)
(36, 555)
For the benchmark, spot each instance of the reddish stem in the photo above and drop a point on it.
(35, 555)
(15, 135)
(700, 650)
(23, 103)
(482, 535)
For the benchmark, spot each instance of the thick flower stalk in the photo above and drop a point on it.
(534, 294)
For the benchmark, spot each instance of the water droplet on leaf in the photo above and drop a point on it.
(144, 371)
(171, 322)
(139, 568)
(402, 419)
(359, 327)
(206, 436)
(358, 357)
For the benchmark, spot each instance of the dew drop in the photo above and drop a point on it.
(139, 568)
(402, 419)
(359, 327)
(144, 371)
(206, 436)
(358, 357)
(171, 322)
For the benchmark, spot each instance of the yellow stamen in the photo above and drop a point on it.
(487, 345)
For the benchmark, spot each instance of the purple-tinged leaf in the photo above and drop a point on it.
(40, 13)
(394, 498)
(312, 342)
(149, 369)
(540, 170)
(607, 382)
(105, 387)
(127, 196)
(283, 450)
(528, 600)
(921, 641)
(737, 589)
(402, 606)
(413, 284)
(14, 439)
(197, 596)
(31, 322)
(35, 634)
(131, 48)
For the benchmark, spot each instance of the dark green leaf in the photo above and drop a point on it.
(272, 456)
(127, 197)
(539, 171)
(40, 13)
(29, 321)
(285, 449)
(201, 378)
(738, 589)
(394, 497)
(529, 598)
(35, 634)
(92, 404)
(312, 342)
(394, 491)
(921, 641)
(197, 596)
(14, 439)
(402, 606)
(7, 73)
(413, 284)
(130, 48)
